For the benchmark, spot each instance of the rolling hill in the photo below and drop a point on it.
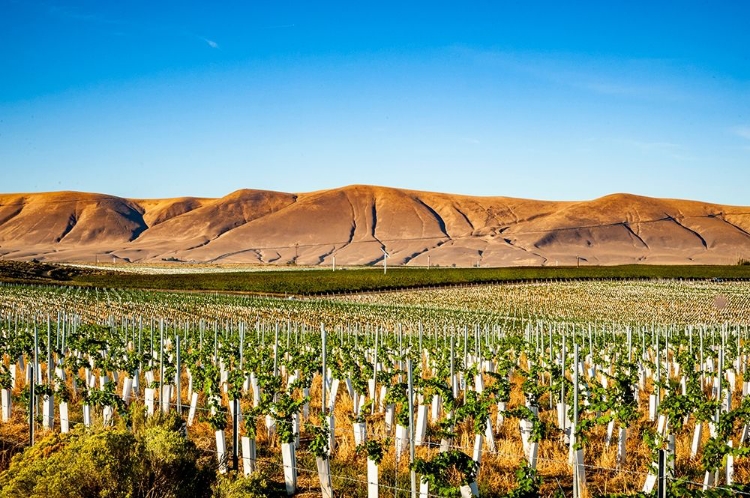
(354, 223)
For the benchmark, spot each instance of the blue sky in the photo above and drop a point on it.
(524, 99)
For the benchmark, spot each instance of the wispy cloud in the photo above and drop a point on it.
(123, 27)
(663, 149)
(742, 131)
(614, 89)
(651, 146)
(640, 79)
(210, 43)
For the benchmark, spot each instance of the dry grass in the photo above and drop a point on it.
(497, 473)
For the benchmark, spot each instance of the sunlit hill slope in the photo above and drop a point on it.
(354, 223)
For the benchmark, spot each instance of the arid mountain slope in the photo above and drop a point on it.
(353, 224)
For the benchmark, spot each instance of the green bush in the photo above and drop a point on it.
(110, 462)
(76, 464)
(170, 465)
(256, 485)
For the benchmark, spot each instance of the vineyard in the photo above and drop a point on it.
(600, 388)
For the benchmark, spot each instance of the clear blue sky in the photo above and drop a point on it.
(526, 99)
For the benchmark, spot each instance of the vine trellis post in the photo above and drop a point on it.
(412, 473)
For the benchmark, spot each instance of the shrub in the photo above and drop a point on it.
(76, 464)
(110, 462)
(169, 467)
(256, 485)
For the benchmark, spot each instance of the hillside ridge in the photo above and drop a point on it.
(354, 224)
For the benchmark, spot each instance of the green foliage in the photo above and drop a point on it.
(439, 470)
(584, 427)
(235, 379)
(170, 464)
(528, 482)
(217, 418)
(500, 388)
(559, 381)
(256, 485)
(283, 410)
(525, 413)
(156, 461)
(62, 393)
(621, 394)
(676, 407)
(435, 386)
(99, 464)
(209, 374)
(716, 448)
(444, 428)
(532, 388)
(6, 380)
(397, 394)
(251, 421)
(476, 408)
(374, 449)
(99, 398)
(307, 362)
(133, 361)
(358, 280)
(319, 445)
(41, 390)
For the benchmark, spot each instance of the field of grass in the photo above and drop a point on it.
(320, 281)
(363, 280)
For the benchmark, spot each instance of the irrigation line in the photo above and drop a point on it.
(269, 463)
(543, 459)
(343, 478)
(723, 488)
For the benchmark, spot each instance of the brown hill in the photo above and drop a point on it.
(353, 224)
